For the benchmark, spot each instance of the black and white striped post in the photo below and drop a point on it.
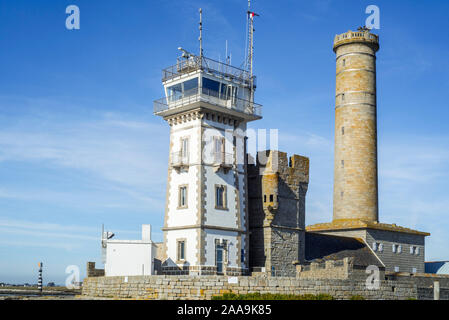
(39, 280)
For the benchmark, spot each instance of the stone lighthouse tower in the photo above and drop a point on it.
(355, 159)
(355, 212)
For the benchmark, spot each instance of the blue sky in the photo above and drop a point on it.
(79, 145)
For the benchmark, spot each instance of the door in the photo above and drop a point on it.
(219, 258)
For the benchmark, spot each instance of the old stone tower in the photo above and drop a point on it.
(355, 211)
(207, 106)
(355, 158)
(277, 188)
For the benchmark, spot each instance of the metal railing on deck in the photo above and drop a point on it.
(179, 159)
(208, 96)
(194, 63)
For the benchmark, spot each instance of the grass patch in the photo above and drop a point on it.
(357, 297)
(272, 296)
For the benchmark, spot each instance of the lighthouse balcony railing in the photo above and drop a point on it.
(195, 63)
(207, 96)
(222, 159)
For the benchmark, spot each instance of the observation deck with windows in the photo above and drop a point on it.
(199, 82)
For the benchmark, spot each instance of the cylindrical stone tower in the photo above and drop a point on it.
(355, 158)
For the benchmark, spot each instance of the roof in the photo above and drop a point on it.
(438, 267)
(345, 224)
(329, 247)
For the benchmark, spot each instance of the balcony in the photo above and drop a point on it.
(179, 160)
(222, 160)
(173, 104)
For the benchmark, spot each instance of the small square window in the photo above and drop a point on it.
(396, 269)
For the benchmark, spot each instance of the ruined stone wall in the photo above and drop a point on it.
(92, 271)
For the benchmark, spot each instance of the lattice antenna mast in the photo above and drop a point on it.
(200, 39)
(250, 57)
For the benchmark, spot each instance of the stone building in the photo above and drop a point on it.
(277, 188)
(355, 207)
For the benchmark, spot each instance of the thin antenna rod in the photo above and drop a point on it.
(250, 57)
(201, 33)
(227, 57)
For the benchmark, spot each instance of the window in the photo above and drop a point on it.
(211, 87)
(342, 163)
(413, 270)
(219, 149)
(342, 130)
(377, 246)
(396, 269)
(184, 89)
(182, 203)
(220, 197)
(190, 87)
(264, 198)
(344, 62)
(343, 97)
(397, 248)
(184, 148)
(242, 255)
(414, 250)
(271, 198)
(181, 256)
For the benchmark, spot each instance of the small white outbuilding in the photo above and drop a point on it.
(129, 257)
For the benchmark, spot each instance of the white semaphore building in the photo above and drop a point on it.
(207, 105)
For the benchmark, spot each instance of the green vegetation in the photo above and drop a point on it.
(357, 297)
(272, 296)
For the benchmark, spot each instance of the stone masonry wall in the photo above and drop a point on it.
(204, 287)
(277, 188)
(93, 272)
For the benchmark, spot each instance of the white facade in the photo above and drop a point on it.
(130, 257)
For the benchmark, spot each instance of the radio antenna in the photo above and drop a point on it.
(250, 54)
